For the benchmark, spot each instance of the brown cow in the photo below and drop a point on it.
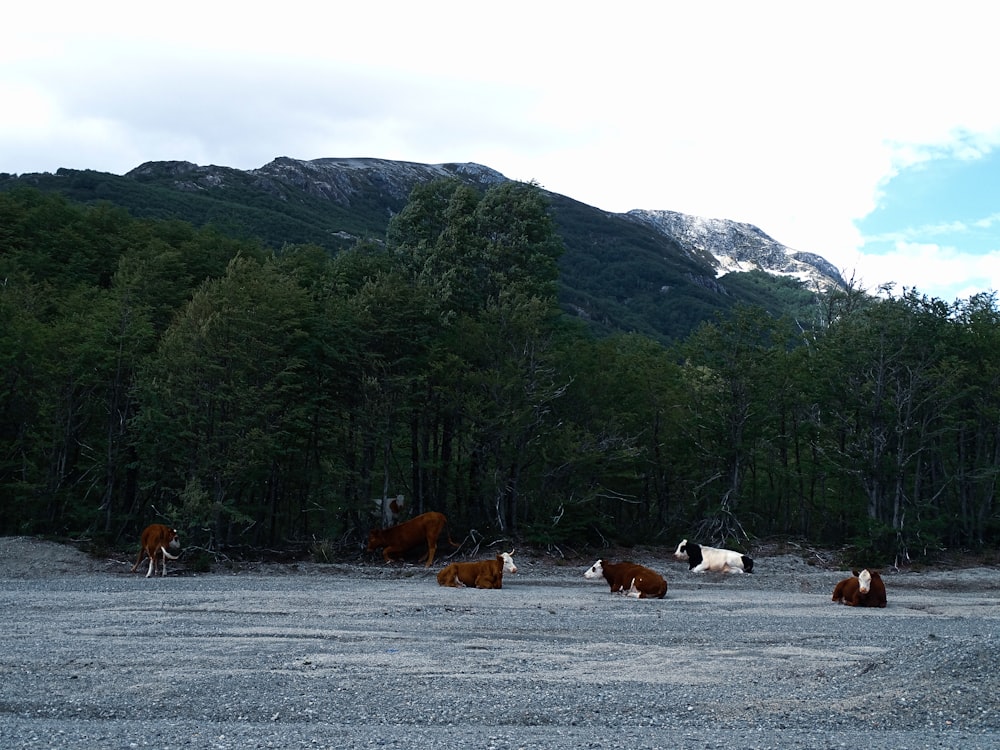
(628, 577)
(153, 543)
(864, 589)
(482, 574)
(399, 539)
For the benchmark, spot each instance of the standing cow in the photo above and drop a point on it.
(389, 509)
(153, 543)
(397, 540)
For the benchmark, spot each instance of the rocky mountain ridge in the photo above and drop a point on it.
(338, 180)
(736, 246)
(727, 246)
(656, 273)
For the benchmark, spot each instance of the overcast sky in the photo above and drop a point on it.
(862, 131)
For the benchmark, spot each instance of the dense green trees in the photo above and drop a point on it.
(149, 370)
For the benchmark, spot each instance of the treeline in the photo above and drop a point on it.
(264, 397)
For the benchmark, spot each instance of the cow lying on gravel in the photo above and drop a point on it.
(153, 543)
(482, 574)
(864, 589)
(629, 578)
(712, 559)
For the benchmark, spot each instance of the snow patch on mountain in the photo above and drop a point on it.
(733, 246)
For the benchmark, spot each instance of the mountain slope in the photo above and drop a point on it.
(654, 273)
(733, 246)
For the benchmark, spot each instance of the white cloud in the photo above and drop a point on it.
(939, 271)
(787, 115)
(987, 222)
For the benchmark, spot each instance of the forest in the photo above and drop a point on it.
(262, 397)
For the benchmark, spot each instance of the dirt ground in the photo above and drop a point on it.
(367, 655)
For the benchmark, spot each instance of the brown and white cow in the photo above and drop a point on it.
(389, 509)
(397, 540)
(629, 578)
(862, 589)
(153, 543)
(481, 574)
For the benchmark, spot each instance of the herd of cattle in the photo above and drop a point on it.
(863, 588)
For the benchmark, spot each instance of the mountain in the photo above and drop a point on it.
(658, 273)
(733, 246)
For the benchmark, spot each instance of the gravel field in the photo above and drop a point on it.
(374, 656)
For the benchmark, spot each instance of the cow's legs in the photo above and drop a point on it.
(152, 561)
(138, 560)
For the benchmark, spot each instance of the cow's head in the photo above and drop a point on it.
(175, 540)
(864, 581)
(508, 562)
(595, 571)
(681, 552)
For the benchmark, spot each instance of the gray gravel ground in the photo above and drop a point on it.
(369, 656)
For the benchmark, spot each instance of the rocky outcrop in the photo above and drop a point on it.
(735, 246)
(338, 180)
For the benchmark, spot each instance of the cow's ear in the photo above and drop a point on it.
(855, 573)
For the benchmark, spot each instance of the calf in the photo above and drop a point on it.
(397, 540)
(482, 574)
(153, 543)
(716, 560)
(629, 578)
(864, 589)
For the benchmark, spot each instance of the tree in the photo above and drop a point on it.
(469, 248)
(891, 381)
(727, 368)
(222, 401)
(490, 260)
(976, 455)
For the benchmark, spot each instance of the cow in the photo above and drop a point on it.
(864, 589)
(397, 540)
(629, 578)
(701, 558)
(482, 574)
(153, 543)
(389, 509)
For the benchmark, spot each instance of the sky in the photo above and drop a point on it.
(868, 133)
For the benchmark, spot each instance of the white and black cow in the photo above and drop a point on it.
(716, 560)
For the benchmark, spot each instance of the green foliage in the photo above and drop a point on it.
(569, 525)
(237, 207)
(874, 546)
(150, 368)
(614, 274)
